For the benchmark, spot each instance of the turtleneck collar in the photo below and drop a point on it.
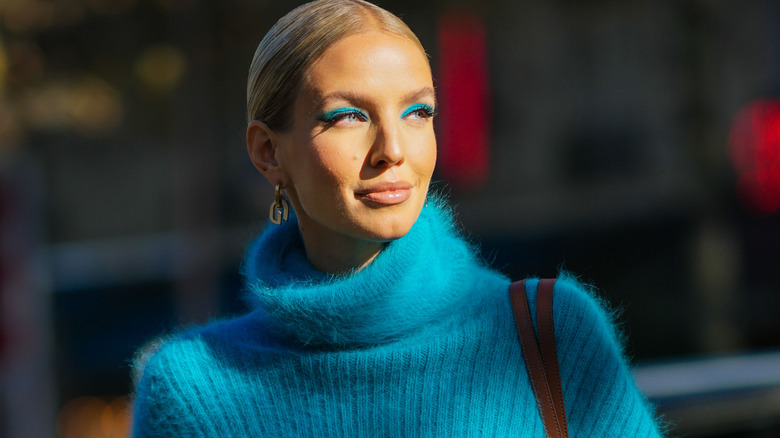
(414, 281)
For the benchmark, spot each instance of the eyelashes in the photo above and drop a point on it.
(419, 110)
(347, 114)
(351, 115)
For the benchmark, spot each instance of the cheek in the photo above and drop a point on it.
(334, 164)
(331, 168)
(433, 155)
(425, 156)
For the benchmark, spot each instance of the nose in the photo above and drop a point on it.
(387, 149)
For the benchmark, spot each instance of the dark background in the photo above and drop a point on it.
(128, 198)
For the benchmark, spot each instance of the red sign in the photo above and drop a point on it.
(755, 151)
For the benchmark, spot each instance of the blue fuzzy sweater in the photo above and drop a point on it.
(421, 342)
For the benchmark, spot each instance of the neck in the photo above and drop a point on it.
(419, 278)
(337, 254)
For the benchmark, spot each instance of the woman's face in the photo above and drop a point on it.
(360, 155)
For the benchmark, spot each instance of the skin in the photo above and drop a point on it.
(358, 160)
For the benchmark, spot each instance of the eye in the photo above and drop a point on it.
(419, 111)
(347, 115)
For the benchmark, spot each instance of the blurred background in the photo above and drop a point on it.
(635, 144)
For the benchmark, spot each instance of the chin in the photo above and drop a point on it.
(388, 229)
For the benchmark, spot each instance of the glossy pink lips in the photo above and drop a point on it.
(391, 193)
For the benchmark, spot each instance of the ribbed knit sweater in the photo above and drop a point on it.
(420, 343)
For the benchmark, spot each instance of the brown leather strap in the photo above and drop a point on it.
(540, 355)
(546, 327)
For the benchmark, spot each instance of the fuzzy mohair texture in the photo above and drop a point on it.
(420, 343)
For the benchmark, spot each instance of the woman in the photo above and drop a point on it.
(372, 316)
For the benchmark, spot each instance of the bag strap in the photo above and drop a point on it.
(540, 354)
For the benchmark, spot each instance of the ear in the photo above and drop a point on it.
(261, 143)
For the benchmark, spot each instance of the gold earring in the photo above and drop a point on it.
(279, 208)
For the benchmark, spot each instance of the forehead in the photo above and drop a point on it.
(369, 61)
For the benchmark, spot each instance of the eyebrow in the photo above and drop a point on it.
(363, 100)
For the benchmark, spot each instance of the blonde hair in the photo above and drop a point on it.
(296, 41)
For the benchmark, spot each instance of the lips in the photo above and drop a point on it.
(385, 193)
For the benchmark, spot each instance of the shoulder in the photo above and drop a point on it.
(595, 371)
(161, 374)
(582, 315)
(165, 362)
(576, 307)
(585, 327)
(196, 347)
(178, 376)
(198, 354)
